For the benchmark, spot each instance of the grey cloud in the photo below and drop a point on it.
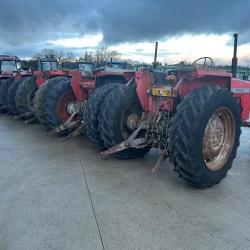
(26, 23)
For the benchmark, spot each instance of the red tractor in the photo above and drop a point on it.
(193, 115)
(10, 73)
(64, 103)
(23, 92)
(30, 95)
(83, 68)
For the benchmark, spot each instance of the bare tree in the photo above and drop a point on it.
(49, 54)
(104, 54)
(60, 55)
(88, 56)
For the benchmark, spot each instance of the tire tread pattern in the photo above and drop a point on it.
(57, 89)
(190, 112)
(92, 111)
(108, 117)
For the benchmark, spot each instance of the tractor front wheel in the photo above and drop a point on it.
(204, 136)
(120, 114)
(59, 105)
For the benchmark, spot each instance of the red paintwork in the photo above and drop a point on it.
(9, 58)
(16, 75)
(201, 77)
(41, 77)
(61, 108)
(84, 85)
(80, 93)
(241, 89)
(187, 81)
(6, 75)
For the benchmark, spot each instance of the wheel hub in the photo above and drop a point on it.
(218, 139)
(133, 121)
(66, 106)
(73, 107)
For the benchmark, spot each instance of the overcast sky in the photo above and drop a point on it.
(185, 29)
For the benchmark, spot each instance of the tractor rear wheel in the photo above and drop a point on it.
(40, 96)
(25, 95)
(204, 136)
(4, 93)
(1, 82)
(119, 106)
(59, 99)
(11, 98)
(92, 111)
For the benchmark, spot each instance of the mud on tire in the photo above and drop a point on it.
(188, 130)
(111, 120)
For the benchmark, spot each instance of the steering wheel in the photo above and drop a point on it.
(207, 62)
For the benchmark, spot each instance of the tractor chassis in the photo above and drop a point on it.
(149, 123)
(153, 137)
(133, 142)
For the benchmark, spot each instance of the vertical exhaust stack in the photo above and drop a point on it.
(155, 58)
(39, 64)
(235, 59)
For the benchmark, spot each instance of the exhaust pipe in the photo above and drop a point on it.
(155, 58)
(235, 59)
(39, 64)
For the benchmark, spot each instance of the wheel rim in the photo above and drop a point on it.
(130, 119)
(218, 140)
(62, 106)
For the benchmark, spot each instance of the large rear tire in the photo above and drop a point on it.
(40, 96)
(92, 111)
(58, 98)
(204, 136)
(11, 98)
(25, 95)
(118, 105)
(5, 85)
